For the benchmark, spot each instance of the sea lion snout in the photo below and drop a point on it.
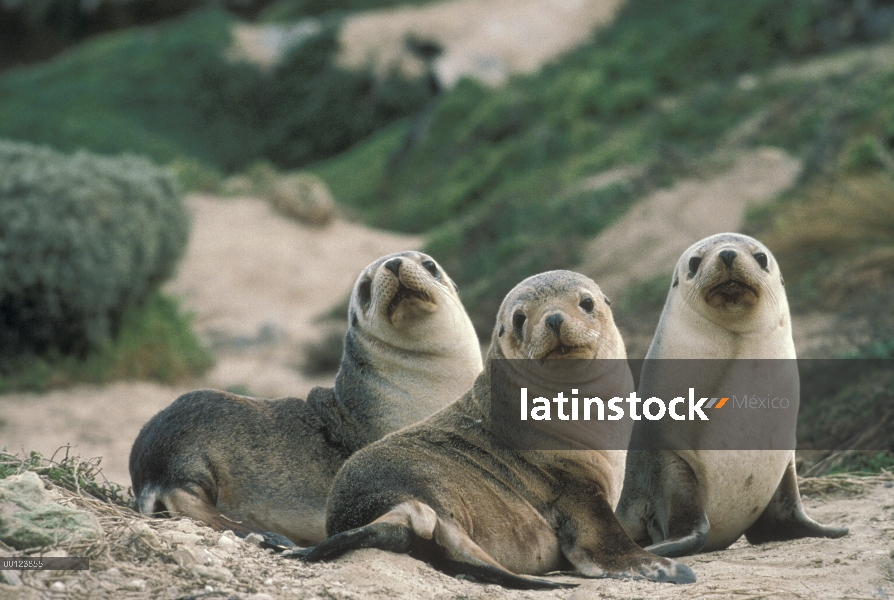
(727, 272)
(727, 256)
(393, 265)
(410, 284)
(559, 314)
(554, 322)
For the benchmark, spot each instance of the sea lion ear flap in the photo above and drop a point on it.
(607, 301)
(455, 287)
(782, 280)
(676, 280)
(502, 330)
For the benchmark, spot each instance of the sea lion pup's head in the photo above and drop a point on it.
(557, 314)
(407, 301)
(730, 279)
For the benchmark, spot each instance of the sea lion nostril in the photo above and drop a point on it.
(393, 265)
(554, 322)
(728, 256)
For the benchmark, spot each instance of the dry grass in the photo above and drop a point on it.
(842, 483)
(837, 219)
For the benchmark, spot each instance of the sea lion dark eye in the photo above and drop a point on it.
(431, 266)
(364, 291)
(518, 321)
(587, 304)
(761, 259)
(694, 262)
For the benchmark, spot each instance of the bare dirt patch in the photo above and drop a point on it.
(485, 39)
(649, 239)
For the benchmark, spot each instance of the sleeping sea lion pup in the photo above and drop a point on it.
(450, 491)
(266, 465)
(726, 301)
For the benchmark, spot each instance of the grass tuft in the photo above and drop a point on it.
(73, 473)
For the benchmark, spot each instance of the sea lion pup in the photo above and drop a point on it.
(450, 491)
(248, 464)
(726, 301)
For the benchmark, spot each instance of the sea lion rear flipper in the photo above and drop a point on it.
(486, 573)
(463, 556)
(396, 531)
(678, 524)
(785, 519)
(595, 543)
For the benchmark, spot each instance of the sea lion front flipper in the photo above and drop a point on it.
(785, 519)
(593, 540)
(678, 524)
(273, 541)
(192, 501)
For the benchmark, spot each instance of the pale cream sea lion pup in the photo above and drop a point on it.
(248, 464)
(452, 492)
(726, 301)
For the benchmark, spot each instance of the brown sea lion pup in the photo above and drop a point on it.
(448, 490)
(248, 464)
(726, 301)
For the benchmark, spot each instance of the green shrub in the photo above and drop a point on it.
(82, 239)
(155, 341)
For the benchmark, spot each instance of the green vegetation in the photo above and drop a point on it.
(845, 405)
(834, 239)
(169, 92)
(648, 295)
(86, 243)
(155, 341)
(84, 238)
(833, 236)
(324, 356)
(494, 176)
(863, 463)
(74, 473)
